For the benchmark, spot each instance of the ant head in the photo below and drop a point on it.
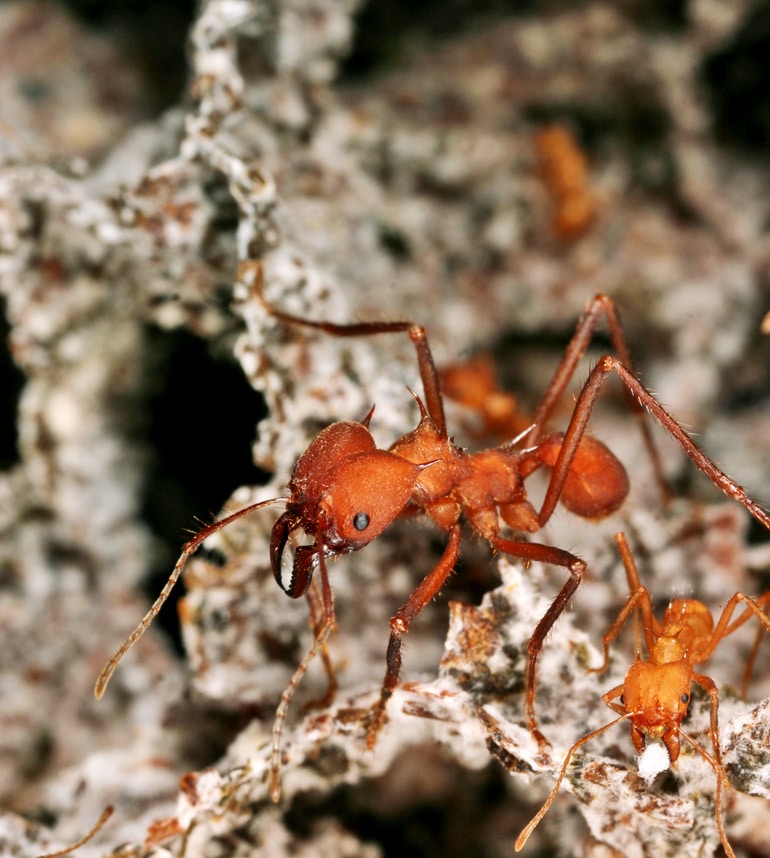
(344, 492)
(316, 467)
(656, 696)
(368, 493)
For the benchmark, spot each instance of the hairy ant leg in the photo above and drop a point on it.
(583, 408)
(428, 373)
(522, 839)
(600, 306)
(576, 568)
(399, 625)
(655, 694)
(752, 657)
(317, 622)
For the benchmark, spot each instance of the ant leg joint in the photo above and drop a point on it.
(577, 569)
(603, 298)
(398, 625)
(607, 363)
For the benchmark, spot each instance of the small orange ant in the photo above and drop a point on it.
(564, 169)
(655, 694)
(473, 384)
(344, 492)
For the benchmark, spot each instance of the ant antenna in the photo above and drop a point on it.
(188, 550)
(106, 814)
(533, 823)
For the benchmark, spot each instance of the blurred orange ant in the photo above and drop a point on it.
(106, 814)
(473, 384)
(344, 492)
(656, 693)
(564, 170)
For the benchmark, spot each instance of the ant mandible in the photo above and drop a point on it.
(344, 492)
(655, 694)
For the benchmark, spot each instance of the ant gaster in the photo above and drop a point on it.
(344, 492)
(655, 694)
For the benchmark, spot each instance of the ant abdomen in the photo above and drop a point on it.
(596, 485)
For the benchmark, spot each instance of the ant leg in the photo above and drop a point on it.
(750, 663)
(417, 334)
(640, 598)
(319, 645)
(576, 568)
(613, 694)
(315, 606)
(601, 305)
(638, 594)
(753, 608)
(715, 762)
(708, 684)
(577, 426)
(399, 625)
(724, 628)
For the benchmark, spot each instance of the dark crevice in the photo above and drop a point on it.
(409, 817)
(383, 31)
(11, 384)
(150, 33)
(737, 78)
(200, 421)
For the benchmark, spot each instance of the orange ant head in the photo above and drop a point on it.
(657, 696)
(344, 492)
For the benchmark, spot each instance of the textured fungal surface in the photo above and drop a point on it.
(484, 177)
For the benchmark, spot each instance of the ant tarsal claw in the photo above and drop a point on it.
(374, 720)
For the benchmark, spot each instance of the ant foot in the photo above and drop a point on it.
(374, 720)
(542, 743)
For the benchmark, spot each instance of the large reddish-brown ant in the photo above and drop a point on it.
(655, 694)
(344, 492)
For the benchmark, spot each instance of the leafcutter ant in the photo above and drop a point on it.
(564, 170)
(344, 492)
(655, 694)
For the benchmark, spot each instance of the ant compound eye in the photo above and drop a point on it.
(685, 698)
(360, 521)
